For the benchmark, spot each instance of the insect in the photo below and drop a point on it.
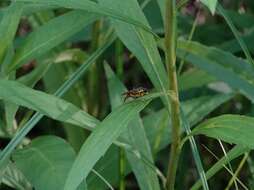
(135, 93)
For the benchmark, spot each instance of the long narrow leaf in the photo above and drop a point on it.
(93, 7)
(45, 104)
(135, 136)
(100, 140)
(50, 35)
(8, 26)
(235, 129)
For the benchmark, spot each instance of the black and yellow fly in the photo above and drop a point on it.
(135, 93)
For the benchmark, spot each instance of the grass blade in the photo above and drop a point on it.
(93, 7)
(195, 152)
(232, 154)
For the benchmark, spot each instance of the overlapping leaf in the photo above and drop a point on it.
(100, 140)
(135, 136)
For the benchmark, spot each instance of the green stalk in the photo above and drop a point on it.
(170, 53)
(122, 163)
(193, 28)
(119, 72)
(119, 58)
(94, 73)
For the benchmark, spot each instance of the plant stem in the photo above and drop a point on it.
(193, 28)
(122, 169)
(94, 73)
(119, 58)
(119, 72)
(170, 53)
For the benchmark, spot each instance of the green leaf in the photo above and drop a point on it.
(198, 108)
(8, 26)
(5, 154)
(108, 168)
(140, 43)
(134, 136)
(101, 138)
(236, 129)
(93, 7)
(29, 80)
(56, 76)
(162, 4)
(46, 104)
(35, 75)
(240, 20)
(14, 178)
(232, 154)
(45, 162)
(194, 78)
(224, 66)
(233, 45)
(211, 4)
(50, 35)
(221, 11)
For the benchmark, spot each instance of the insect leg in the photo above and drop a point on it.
(125, 98)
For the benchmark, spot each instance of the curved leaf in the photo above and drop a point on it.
(211, 4)
(46, 104)
(236, 129)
